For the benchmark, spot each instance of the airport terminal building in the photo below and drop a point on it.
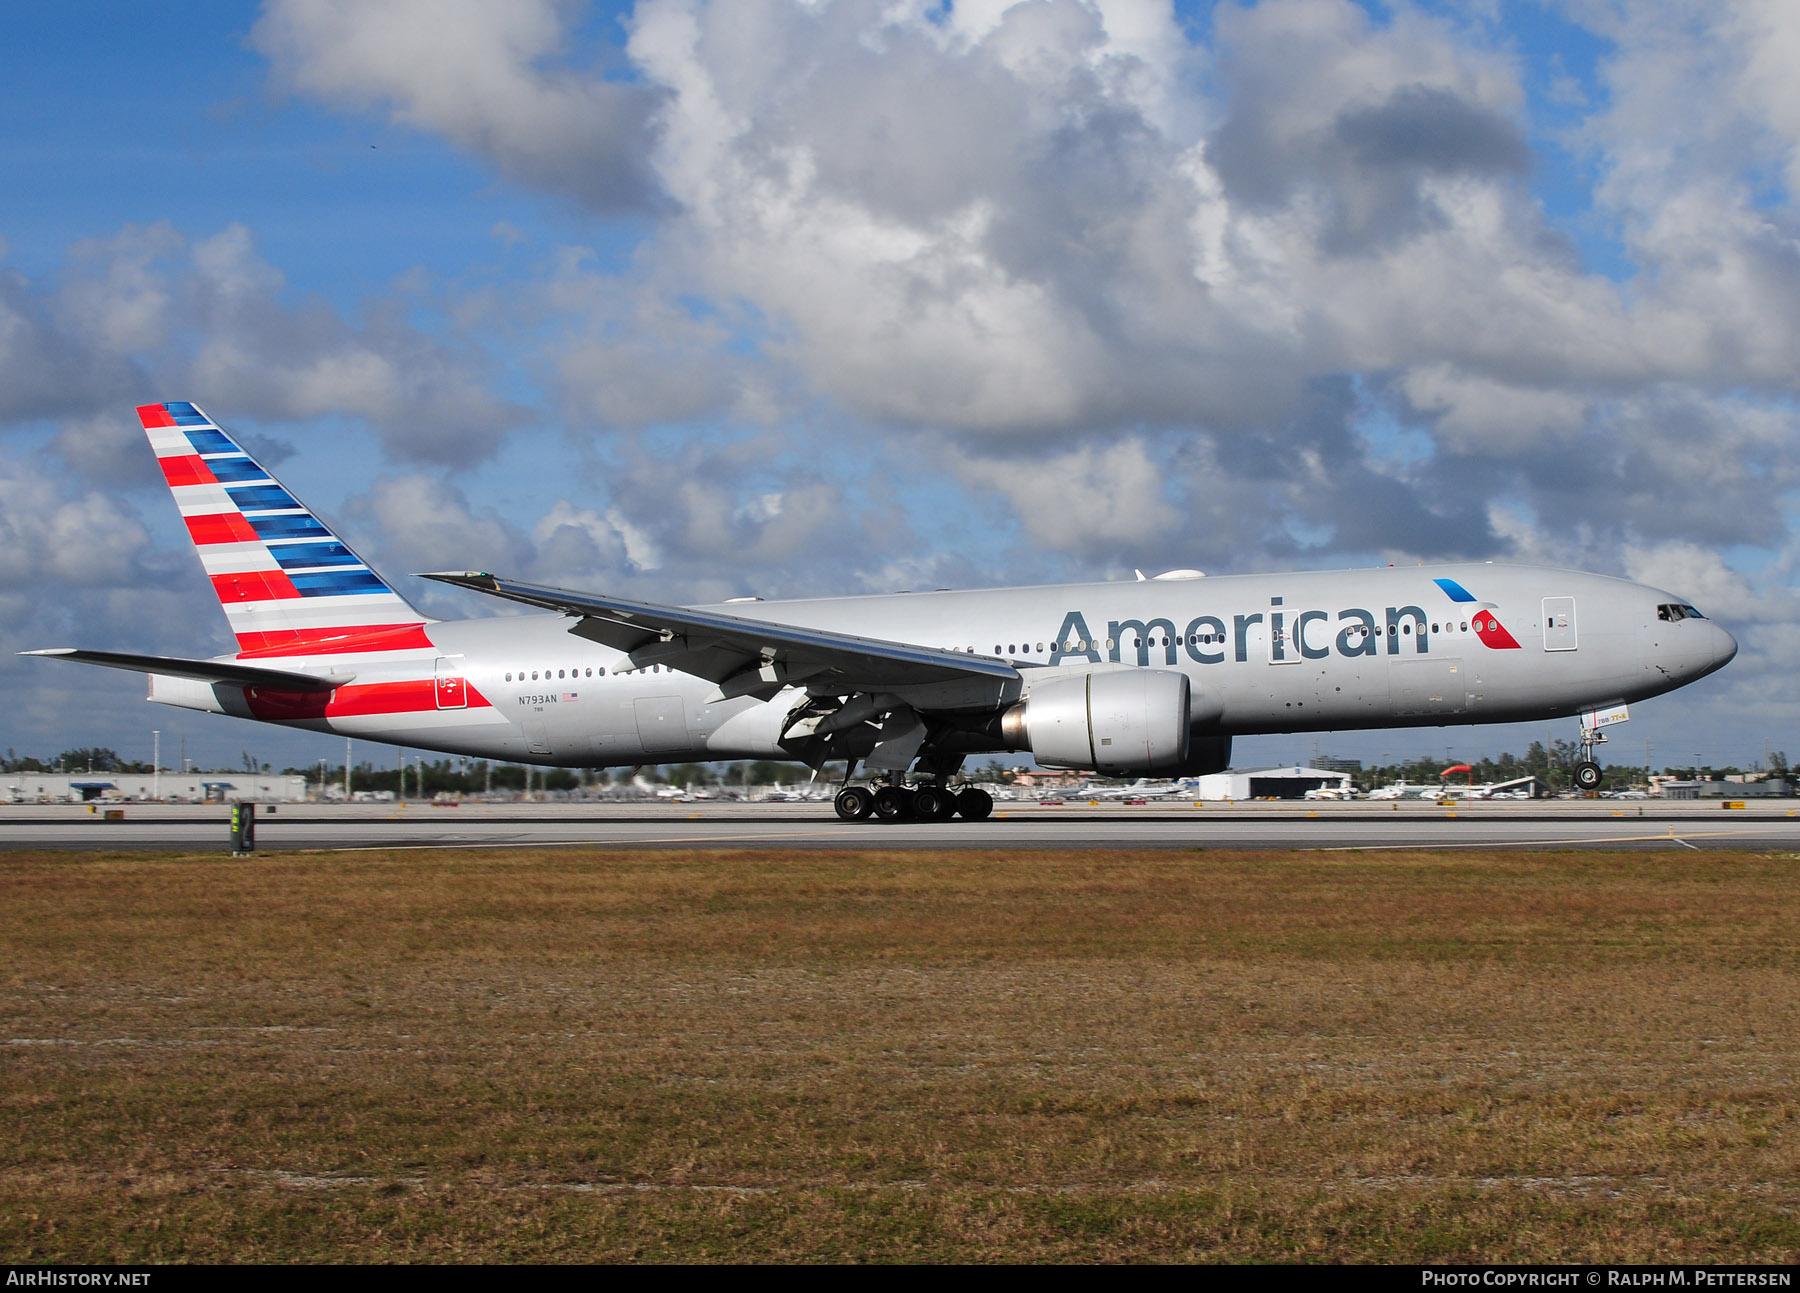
(130, 787)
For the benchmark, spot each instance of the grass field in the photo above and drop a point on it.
(559, 1055)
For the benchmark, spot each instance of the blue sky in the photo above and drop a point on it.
(691, 300)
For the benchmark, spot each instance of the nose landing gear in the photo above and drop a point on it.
(1587, 772)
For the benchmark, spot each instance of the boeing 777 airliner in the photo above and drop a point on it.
(1153, 676)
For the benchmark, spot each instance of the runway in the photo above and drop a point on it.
(1704, 824)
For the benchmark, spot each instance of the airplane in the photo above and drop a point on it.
(1152, 676)
(1142, 788)
(1403, 789)
(1520, 786)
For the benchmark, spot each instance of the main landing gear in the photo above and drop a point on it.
(896, 801)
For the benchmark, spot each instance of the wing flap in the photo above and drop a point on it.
(236, 675)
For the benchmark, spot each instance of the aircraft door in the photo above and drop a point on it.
(452, 688)
(1283, 649)
(661, 724)
(1559, 623)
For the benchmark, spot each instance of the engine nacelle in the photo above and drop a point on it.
(1110, 720)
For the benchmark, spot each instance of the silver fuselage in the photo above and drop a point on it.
(1311, 651)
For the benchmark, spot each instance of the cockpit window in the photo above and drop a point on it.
(1673, 611)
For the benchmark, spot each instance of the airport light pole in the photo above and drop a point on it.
(155, 764)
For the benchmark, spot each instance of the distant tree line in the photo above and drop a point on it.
(97, 759)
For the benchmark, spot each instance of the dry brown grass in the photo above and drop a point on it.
(552, 1055)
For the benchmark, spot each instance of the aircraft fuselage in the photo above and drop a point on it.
(1389, 647)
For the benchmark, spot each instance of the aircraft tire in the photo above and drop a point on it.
(893, 803)
(974, 804)
(1587, 775)
(854, 803)
(934, 804)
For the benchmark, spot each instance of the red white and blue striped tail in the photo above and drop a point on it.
(288, 585)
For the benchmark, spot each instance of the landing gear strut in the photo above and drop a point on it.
(1587, 772)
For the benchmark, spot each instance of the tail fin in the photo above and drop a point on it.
(287, 584)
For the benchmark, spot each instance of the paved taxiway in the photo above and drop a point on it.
(1074, 824)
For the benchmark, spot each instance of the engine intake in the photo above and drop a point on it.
(1112, 720)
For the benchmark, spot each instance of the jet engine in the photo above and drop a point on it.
(1111, 720)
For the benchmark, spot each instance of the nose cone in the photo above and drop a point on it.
(1724, 648)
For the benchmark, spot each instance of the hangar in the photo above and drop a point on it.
(1270, 783)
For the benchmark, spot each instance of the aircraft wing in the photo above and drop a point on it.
(746, 657)
(237, 675)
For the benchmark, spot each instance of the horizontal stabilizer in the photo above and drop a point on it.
(237, 675)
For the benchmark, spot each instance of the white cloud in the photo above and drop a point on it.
(51, 535)
(1094, 497)
(1480, 416)
(489, 77)
(587, 542)
(405, 524)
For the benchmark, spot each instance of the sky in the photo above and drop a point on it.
(687, 300)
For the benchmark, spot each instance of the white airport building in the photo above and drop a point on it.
(1269, 783)
(133, 787)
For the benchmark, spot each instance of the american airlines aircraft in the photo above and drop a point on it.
(1153, 676)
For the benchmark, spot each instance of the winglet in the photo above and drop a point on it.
(479, 580)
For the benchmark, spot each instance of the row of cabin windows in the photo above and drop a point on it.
(548, 675)
(551, 675)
